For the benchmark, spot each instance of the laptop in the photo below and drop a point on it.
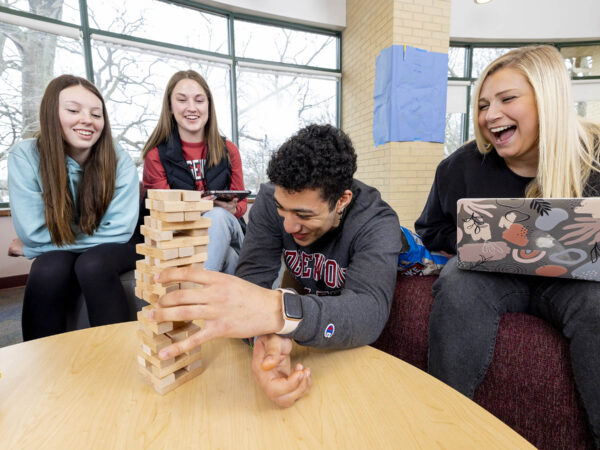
(530, 236)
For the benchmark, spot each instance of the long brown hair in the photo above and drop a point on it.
(166, 122)
(97, 184)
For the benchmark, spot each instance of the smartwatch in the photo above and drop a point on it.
(291, 307)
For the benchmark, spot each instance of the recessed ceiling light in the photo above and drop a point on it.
(482, 2)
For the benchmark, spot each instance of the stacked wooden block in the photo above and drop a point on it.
(176, 235)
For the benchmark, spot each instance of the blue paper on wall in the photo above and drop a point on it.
(410, 95)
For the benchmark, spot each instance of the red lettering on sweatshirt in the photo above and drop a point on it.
(315, 266)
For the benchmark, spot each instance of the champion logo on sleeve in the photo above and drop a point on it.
(329, 330)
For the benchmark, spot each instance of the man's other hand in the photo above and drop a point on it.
(271, 367)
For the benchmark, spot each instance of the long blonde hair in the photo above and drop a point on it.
(166, 123)
(97, 184)
(567, 143)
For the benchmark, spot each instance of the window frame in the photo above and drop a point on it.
(469, 78)
(85, 33)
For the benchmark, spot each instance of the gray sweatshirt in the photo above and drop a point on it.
(349, 272)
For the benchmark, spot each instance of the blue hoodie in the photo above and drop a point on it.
(27, 205)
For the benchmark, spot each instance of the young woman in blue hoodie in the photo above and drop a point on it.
(74, 197)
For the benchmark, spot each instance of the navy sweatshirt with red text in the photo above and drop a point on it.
(349, 272)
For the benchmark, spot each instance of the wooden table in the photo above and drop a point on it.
(82, 390)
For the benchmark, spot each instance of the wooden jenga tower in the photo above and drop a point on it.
(176, 235)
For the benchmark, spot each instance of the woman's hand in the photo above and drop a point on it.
(15, 248)
(229, 206)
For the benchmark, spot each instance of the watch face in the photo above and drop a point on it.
(293, 306)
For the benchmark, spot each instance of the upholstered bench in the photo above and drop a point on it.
(529, 384)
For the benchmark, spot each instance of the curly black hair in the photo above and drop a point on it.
(318, 156)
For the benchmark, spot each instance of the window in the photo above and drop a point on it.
(281, 76)
(589, 109)
(274, 43)
(483, 56)
(24, 48)
(63, 10)
(160, 21)
(290, 101)
(133, 82)
(457, 60)
(453, 138)
(582, 60)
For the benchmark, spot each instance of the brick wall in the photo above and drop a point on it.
(402, 171)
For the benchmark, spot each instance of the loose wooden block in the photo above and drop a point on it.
(195, 365)
(177, 363)
(155, 327)
(148, 291)
(184, 252)
(181, 376)
(170, 206)
(155, 342)
(147, 278)
(160, 289)
(147, 332)
(157, 253)
(200, 249)
(158, 382)
(200, 257)
(156, 235)
(143, 363)
(183, 332)
(192, 215)
(194, 232)
(191, 196)
(159, 363)
(150, 297)
(165, 194)
(158, 224)
(147, 350)
(189, 285)
(147, 268)
(183, 241)
(168, 216)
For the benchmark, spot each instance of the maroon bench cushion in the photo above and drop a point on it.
(529, 384)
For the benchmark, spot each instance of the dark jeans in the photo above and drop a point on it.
(58, 277)
(464, 322)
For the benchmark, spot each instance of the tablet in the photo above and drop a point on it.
(227, 196)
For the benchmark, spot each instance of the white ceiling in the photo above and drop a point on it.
(525, 20)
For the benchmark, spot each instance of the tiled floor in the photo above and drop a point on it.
(11, 303)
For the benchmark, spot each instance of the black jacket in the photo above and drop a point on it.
(179, 175)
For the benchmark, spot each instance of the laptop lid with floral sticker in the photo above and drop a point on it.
(530, 236)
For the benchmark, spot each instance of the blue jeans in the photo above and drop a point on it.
(464, 322)
(225, 241)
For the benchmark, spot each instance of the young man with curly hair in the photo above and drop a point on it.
(338, 239)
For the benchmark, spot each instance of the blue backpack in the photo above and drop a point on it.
(418, 260)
